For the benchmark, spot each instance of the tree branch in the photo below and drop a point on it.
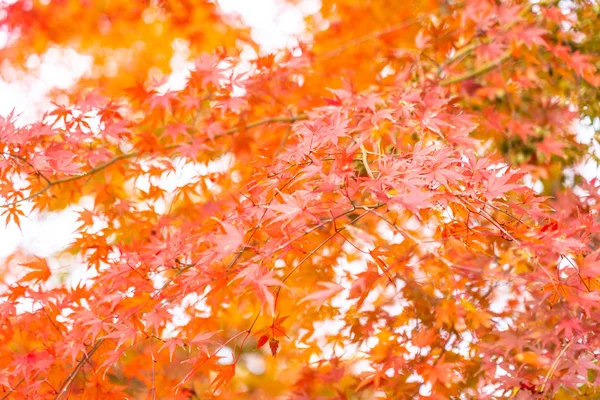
(133, 154)
(12, 389)
(468, 49)
(479, 71)
(67, 382)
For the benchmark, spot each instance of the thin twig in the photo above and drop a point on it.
(323, 243)
(468, 49)
(153, 388)
(245, 246)
(248, 331)
(67, 382)
(479, 71)
(554, 365)
(12, 389)
(133, 154)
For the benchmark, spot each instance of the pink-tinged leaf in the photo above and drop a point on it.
(508, 13)
(115, 130)
(581, 63)
(331, 290)
(175, 130)
(233, 104)
(112, 359)
(413, 200)
(498, 185)
(370, 101)
(591, 297)
(156, 318)
(73, 348)
(230, 241)
(172, 344)
(60, 112)
(123, 333)
(550, 146)
(262, 281)
(7, 309)
(214, 129)
(162, 101)
(207, 71)
(193, 149)
(33, 361)
(190, 102)
(434, 122)
(201, 340)
(491, 51)
(591, 265)
(530, 35)
(95, 324)
(583, 365)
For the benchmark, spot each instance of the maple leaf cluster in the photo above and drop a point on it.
(394, 205)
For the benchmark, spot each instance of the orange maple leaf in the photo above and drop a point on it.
(225, 374)
(41, 271)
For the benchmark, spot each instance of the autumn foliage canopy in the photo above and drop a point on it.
(393, 207)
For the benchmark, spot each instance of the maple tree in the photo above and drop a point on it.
(394, 205)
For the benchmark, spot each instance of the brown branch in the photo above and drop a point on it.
(465, 51)
(12, 389)
(153, 360)
(468, 49)
(313, 251)
(245, 246)
(554, 365)
(133, 154)
(248, 332)
(67, 382)
(479, 71)
(367, 209)
(487, 216)
(24, 161)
